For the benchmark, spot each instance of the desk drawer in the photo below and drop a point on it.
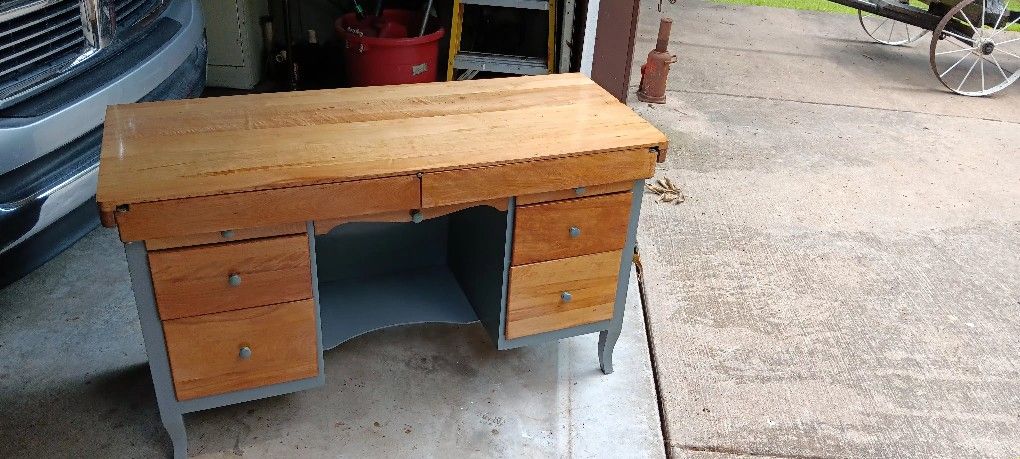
(237, 275)
(570, 228)
(528, 177)
(560, 294)
(260, 208)
(233, 235)
(235, 350)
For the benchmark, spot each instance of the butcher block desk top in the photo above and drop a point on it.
(175, 150)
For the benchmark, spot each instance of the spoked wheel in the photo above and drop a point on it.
(984, 61)
(888, 31)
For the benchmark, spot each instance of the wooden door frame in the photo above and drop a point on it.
(608, 48)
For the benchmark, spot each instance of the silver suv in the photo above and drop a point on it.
(61, 63)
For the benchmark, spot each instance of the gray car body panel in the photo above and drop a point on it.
(23, 140)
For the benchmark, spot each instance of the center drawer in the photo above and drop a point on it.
(222, 277)
(570, 228)
(235, 350)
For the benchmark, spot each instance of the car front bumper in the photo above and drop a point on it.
(55, 155)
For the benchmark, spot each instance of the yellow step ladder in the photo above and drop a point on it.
(471, 63)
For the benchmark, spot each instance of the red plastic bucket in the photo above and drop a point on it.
(385, 60)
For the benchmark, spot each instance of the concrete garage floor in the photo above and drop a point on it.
(843, 279)
(74, 382)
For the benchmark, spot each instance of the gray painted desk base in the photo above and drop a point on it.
(489, 309)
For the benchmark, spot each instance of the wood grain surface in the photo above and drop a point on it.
(195, 280)
(534, 304)
(467, 185)
(159, 151)
(397, 216)
(571, 193)
(177, 217)
(542, 231)
(205, 356)
(325, 226)
(239, 234)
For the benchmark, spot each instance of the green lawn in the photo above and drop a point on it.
(819, 5)
(807, 5)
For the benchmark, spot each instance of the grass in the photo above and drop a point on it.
(824, 6)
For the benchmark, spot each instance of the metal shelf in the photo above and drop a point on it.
(524, 4)
(500, 63)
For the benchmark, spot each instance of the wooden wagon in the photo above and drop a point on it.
(975, 44)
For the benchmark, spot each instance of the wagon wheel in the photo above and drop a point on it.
(889, 31)
(985, 62)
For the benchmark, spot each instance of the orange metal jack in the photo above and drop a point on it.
(655, 72)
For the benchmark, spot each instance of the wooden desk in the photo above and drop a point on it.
(262, 230)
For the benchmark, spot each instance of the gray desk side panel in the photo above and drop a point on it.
(310, 230)
(511, 221)
(608, 338)
(152, 328)
(623, 282)
(481, 262)
(357, 250)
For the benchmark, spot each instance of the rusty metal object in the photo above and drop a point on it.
(656, 70)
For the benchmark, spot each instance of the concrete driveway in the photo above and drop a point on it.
(74, 381)
(843, 279)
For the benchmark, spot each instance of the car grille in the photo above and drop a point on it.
(39, 40)
(53, 40)
(129, 12)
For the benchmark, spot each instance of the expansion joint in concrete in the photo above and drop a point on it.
(643, 298)
(831, 104)
(727, 451)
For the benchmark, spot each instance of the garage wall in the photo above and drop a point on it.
(614, 46)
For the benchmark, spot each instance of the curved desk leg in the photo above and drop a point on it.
(608, 338)
(174, 425)
(155, 349)
(607, 341)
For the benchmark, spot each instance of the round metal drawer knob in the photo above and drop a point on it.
(227, 234)
(245, 352)
(234, 280)
(579, 191)
(566, 297)
(575, 231)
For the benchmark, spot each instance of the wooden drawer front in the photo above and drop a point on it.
(197, 280)
(469, 185)
(572, 193)
(206, 356)
(570, 228)
(225, 236)
(204, 214)
(536, 302)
